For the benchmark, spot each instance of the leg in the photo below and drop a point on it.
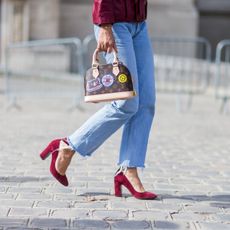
(112, 116)
(102, 124)
(136, 130)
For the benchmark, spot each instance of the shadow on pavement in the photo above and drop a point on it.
(225, 197)
(54, 223)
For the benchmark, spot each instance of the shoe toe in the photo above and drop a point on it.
(61, 178)
(149, 195)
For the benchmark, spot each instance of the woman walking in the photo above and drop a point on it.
(119, 26)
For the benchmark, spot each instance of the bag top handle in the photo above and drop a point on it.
(96, 63)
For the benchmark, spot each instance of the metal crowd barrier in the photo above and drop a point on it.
(222, 83)
(181, 65)
(88, 46)
(44, 83)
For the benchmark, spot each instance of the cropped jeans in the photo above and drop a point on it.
(136, 114)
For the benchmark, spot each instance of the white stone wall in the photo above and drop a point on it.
(165, 18)
(172, 18)
(14, 23)
(44, 19)
(75, 20)
(49, 19)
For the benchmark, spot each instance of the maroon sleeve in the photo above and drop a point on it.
(103, 12)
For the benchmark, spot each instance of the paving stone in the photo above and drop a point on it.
(131, 224)
(48, 222)
(223, 217)
(190, 216)
(24, 190)
(187, 165)
(185, 180)
(91, 205)
(25, 196)
(128, 205)
(13, 222)
(93, 197)
(4, 211)
(162, 206)
(198, 187)
(64, 228)
(161, 224)
(65, 197)
(77, 213)
(58, 190)
(151, 215)
(91, 224)
(22, 228)
(169, 187)
(81, 179)
(75, 198)
(17, 179)
(7, 196)
(214, 226)
(42, 183)
(198, 208)
(16, 203)
(110, 214)
(93, 191)
(54, 204)
(26, 212)
(2, 189)
(221, 197)
(223, 205)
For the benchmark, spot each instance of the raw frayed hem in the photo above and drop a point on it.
(126, 164)
(75, 149)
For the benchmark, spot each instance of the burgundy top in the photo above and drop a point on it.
(111, 11)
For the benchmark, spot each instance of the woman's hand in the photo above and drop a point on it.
(106, 40)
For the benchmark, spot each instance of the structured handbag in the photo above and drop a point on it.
(108, 82)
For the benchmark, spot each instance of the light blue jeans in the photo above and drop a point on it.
(136, 114)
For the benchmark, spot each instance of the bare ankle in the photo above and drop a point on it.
(131, 172)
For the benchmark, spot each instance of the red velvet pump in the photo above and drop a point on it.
(120, 179)
(53, 149)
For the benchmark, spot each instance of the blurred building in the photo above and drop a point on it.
(45, 19)
(214, 20)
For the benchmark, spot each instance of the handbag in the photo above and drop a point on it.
(108, 82)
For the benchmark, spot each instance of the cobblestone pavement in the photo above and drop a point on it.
(187, 165)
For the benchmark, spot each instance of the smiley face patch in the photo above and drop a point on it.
(122, 78)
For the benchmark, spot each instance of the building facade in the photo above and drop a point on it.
(22, 20)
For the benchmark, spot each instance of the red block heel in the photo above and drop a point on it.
(117, 188)
(120, 179)
(53, 148)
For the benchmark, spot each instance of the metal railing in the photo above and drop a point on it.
(182, 67)
(44, 83)
(88, 46)
(222, 83)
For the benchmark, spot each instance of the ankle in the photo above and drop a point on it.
(67, 153)
(131, 172)
(65, 150)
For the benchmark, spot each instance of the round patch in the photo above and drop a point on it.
(122, 78)
(107, 80)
